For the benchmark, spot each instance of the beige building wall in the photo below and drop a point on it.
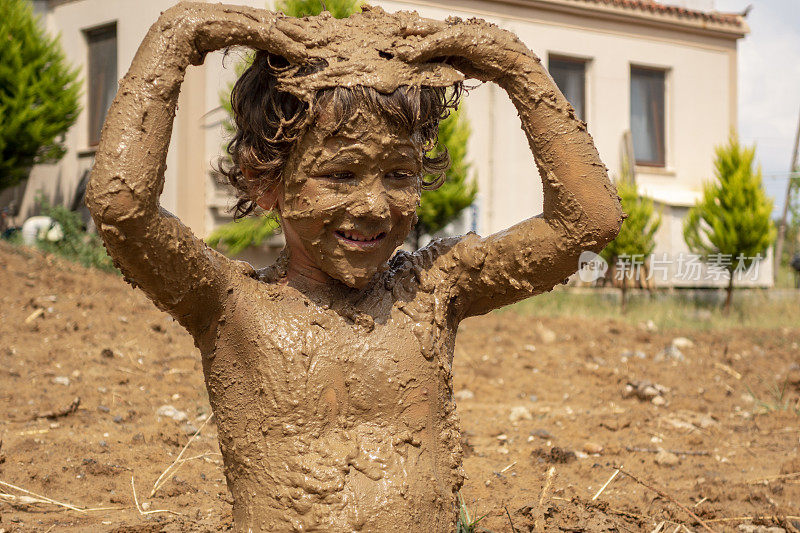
(700, 106)
(701, 102)
(184, 193)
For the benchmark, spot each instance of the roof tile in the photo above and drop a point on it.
(733, 19)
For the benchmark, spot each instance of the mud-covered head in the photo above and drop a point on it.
(343, 170)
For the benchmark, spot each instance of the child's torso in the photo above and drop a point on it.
(348, 408)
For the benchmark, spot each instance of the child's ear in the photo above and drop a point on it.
(269, 199)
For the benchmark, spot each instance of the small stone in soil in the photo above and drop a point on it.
(592, 448)
(644, 390)
(682, 342)
(670, 352)
(665, 458)
(547, 336)
(542, 433)
(464, 394)
(638, 354)
(520, 412)
(170, 412)
(752, 528)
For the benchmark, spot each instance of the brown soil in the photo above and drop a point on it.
(534, 395)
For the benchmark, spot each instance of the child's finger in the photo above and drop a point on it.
(299, 32)
(442, 43)
(280, 43)
(422, 27)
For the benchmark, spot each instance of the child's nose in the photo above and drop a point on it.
(372, 202)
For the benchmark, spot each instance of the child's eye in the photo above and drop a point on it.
(400, 175)
(339, 176)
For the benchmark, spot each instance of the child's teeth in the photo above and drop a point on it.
(357, 238)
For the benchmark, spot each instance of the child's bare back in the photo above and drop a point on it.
(329, 373)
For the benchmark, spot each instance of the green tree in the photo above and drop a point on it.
(438, 208)
(636, 239)
(732, 220)
(38, 94)
(441, 206)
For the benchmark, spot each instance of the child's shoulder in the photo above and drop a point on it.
(437, 262)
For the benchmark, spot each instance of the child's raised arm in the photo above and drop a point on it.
(581, 207)
(151, 247)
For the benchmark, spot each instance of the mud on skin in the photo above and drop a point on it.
(334, 399)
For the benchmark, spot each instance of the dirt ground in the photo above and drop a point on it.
(549, 409)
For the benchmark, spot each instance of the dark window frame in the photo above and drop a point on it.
(660, 133)
(572, 60)
(101, 75)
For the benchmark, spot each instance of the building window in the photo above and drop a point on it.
(570, 76)
(102, 76)
(647, 116)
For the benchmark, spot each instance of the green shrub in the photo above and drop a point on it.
(234, 237)
(77, 244)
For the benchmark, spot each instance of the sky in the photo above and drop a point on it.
(769, 86)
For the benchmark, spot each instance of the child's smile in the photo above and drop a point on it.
(350, 198)
(364, 242)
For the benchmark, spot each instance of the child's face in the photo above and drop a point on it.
(349, 197)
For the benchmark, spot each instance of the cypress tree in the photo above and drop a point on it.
(441, 206)
(636, 239)
(38, 94)
(732, 220)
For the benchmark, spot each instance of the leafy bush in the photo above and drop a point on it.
(77, 245)
(234, 237)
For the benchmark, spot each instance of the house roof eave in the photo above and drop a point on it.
(665, 20)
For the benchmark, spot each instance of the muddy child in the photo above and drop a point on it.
(329, 373)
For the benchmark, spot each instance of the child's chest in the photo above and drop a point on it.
(320, 364)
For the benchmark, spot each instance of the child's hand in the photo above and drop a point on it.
(210, 27)
(479, 49)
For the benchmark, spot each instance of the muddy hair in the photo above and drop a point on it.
(268, 123)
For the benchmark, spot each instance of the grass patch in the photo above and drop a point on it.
(777, 398)
(467, 522)
(696, 310)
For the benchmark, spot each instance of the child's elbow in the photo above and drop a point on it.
(606, 221)
(99, 202)
(112, 202)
